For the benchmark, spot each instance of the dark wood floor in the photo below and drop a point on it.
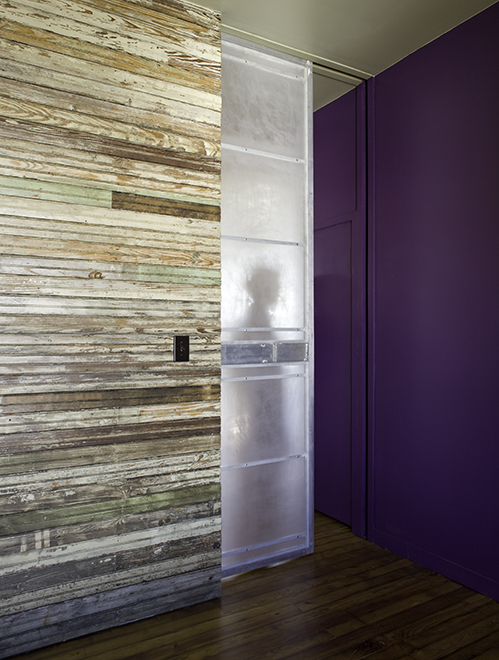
(350, 599)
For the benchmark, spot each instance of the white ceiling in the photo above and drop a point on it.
(359, 38)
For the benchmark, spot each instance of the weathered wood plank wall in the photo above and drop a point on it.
(109, 246)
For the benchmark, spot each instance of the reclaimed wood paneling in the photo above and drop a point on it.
(109, 247)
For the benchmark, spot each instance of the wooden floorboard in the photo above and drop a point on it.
(350, 599)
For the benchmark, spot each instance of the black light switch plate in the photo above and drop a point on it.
(181, 348)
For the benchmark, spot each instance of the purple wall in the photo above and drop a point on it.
(339, 193)
(434, 409)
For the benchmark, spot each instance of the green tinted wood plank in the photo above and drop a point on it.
(71, 515)
(178, 226)
(110, 527)
(110, 271)
(33, 189)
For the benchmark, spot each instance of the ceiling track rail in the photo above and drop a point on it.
(321, 66)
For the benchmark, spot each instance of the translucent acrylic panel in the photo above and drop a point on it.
(263, 285)
(262, 197)
(263, 97)
(263, 419)
(267, 502)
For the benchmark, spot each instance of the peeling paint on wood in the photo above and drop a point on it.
(109, 246)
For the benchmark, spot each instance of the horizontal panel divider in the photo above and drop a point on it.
(270, 241)
(265, 154)
(266, 461)
(284, 539)
(267, 329)
(273, 377)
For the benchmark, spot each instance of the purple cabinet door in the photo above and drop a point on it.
(339, 166)
(333, 428)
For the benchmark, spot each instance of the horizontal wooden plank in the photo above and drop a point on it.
(107, 345)
(189, 12)
(107, 565)
(79, 158)
(83, 109)
(31, 247)
(166, 226)
(82, 104)
(107, 174)
(74, 268)
(81, 232)
(47, 549)
(50, 402)
(87, 377)
(96, 286)
(24, 502)
(115, 580)
(197, 466)
(172, 16)
(83, 513)
(126, 33)
(111, 86)
(107, 330)
(18, 360)
(51, 622)
(37, 113)
(71, 194)
(109, 182)
(58, 459)
(15, 167)
(107, 417)
(71, 306)
(69, 346)
(173, 101)
(136, 182)
(40, 497)
(80, 379)
(139, 23)
(91, 354)
(44, 556)
(111, 527)
(94, 62)
(178, 436)
(145, 204)
(31, 362)
(181, 69)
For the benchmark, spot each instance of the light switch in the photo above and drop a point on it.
(181, 348)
